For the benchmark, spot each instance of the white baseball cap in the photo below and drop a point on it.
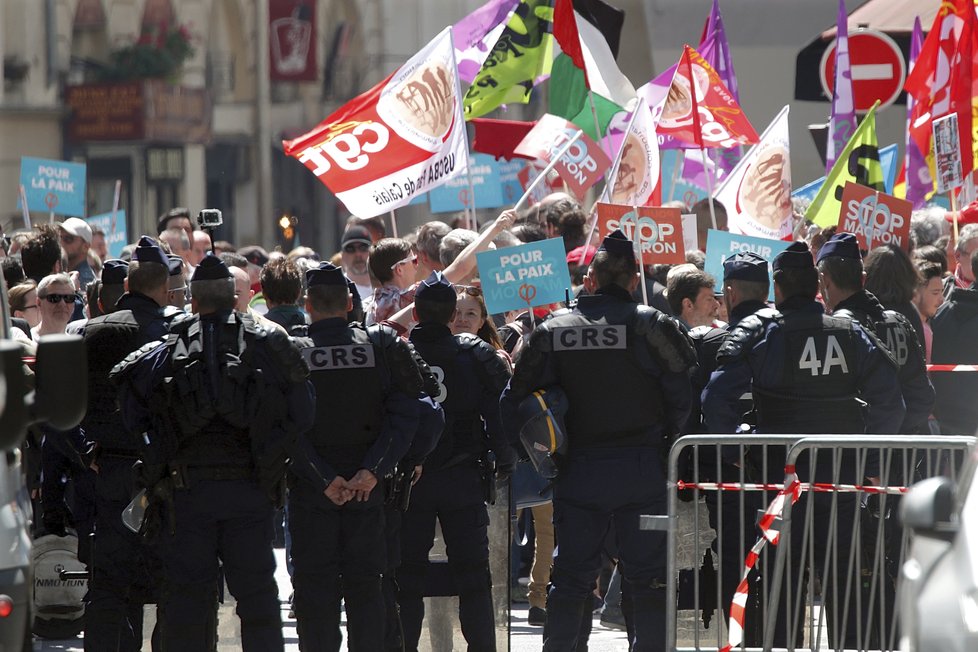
(77, 227)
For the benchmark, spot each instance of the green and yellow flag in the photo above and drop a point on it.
(522, 55)
(859, 163)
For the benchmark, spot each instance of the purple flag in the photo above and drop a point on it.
(842, 124)
(919, 182)
(476, 34)
(716, 50)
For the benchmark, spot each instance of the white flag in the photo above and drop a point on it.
(637, 173)
(757, 192)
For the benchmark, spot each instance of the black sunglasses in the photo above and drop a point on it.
(55, 298)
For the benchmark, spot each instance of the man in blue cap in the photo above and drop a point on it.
(458, 478)
(367, 385)
(840, 271)
(808, 373)
(625, 370)
(125, 570)
(218, 406)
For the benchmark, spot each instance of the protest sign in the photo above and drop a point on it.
(454, 194)
(509, 178)
(720, 245)
(53, 186)
(550, 184)
(946, 153)
(515, 278)
(660, 231)
(113, 225)
(583, 164)
(689, 232)
(403, 137)
(875, 218)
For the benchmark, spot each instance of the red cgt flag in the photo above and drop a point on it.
(700, 110)
(942, 79)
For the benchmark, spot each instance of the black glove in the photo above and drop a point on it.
(159, 510)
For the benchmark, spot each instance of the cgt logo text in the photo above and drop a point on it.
(651, 234)
(577, 160)
(348, 150)
(874, 221)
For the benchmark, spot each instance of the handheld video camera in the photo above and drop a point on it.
(209, 218)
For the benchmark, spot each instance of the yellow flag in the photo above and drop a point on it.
(859, 163)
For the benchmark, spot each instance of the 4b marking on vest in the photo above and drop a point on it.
(589, 338)
(348, 356)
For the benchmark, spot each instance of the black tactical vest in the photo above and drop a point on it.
(818, 390)
(461, 378)
(587, 353)
(351, 377)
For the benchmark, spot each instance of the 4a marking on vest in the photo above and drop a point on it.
(590, 338)
(348, 356)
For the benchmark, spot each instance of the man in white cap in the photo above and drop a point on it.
(76, 240)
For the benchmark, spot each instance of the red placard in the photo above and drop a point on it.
(580, 167)
(875, 218)
(660, 230)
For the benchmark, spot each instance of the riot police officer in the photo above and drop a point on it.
(367, 387)
(125, 570)
(218, 403)
(624, 368)
(454, 486)
(808, 373)
(840, 270)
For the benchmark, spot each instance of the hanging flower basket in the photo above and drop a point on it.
(158, 53)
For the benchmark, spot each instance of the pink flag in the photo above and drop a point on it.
(842, 124)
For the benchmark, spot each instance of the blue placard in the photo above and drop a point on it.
(509, 178)
(533, 274)
(53, 186)
(113, 225)
(419, 199)
(453, 195)
(888, 161)
(720, 245)
(682, 190)
(809, 190)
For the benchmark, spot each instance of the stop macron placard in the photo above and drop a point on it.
(875, 218)
(660, 230)
(581, 166)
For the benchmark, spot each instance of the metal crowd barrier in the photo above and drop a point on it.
(816, 518)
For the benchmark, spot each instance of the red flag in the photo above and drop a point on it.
(941, 79)
(499, 137)
(565, 31)
(699, 109)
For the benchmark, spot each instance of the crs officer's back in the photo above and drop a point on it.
(367, 387)
(219, 404)
(125, 572)
(453, 486)
(841, 272)
(624, 369)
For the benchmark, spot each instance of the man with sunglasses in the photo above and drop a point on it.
(393, 263)
(76, 240)
(355, 252)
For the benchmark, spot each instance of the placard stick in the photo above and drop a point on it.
(954, 213)
(638, 254)
(394, 223)
(23, 207)
(546, 170)
(709, 189)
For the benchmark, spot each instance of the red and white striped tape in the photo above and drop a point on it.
(738, 605)
(952, 367)
(817, 487)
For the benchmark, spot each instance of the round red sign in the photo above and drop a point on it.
(877, 65)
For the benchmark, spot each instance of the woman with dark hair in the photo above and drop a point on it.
(471, 316)
(929, 297)
(892, 277)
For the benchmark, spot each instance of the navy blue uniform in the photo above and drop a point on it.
(955, 325)
(809, 373)
(367, 386)
(452, 489)
(125, 569)
(624, 369)
(217, 437)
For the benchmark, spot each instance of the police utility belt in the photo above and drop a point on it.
(185, 476)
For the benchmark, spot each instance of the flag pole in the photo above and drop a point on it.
(698, 128)
(470, 204)
(393, 223)
(709, 184)
(464, 125)
(638, 252)
(597, 129)
(23, 207)
(546, 170)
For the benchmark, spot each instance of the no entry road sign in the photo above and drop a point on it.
(878, 69)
